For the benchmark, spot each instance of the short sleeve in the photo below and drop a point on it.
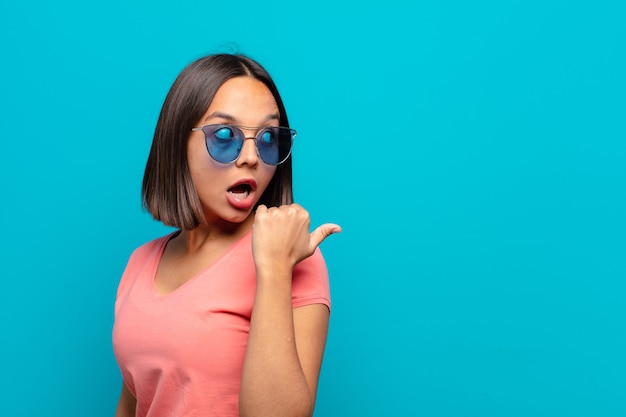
(310, 284)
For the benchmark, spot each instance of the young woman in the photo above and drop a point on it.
(228, 315)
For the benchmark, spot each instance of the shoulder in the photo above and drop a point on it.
(149, 249)
(313, 265)
(145, 254)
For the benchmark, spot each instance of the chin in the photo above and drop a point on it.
(237, 218)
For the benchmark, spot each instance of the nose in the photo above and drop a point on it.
(249, 154)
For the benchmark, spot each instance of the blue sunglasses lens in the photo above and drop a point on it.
(274, 144)
(224, 143)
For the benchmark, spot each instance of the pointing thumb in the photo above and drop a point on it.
(321, 233)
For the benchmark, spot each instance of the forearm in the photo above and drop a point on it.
(273, 382)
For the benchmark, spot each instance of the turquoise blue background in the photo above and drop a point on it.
(474, 153)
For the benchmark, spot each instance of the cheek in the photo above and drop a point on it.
(266, 174)
(201, 165)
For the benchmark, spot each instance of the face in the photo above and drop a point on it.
(229, 192)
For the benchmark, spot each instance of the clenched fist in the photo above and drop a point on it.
(281, 238)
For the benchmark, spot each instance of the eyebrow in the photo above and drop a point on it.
(233, 119)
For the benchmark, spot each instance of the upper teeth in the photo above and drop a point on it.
(243, 194)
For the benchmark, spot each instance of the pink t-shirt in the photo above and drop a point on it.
(181, 354)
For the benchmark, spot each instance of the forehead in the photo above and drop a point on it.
(245, 100)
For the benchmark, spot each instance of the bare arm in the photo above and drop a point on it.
(286, 345)
(127, 403)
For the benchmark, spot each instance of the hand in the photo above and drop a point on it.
(280, 236)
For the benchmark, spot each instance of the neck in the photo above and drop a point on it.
(194, 240)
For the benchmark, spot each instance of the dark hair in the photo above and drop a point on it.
(168, 192)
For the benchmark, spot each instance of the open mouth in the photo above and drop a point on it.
(240, 191)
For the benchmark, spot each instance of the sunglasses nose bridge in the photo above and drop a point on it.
(245, 138)
(247, 156)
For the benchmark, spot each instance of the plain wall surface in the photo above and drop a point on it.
(474, 153)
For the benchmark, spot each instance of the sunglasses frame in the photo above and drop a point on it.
(260, 130)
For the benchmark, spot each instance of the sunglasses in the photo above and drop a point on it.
(224, 142)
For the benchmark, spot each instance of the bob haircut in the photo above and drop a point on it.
(168, 192)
